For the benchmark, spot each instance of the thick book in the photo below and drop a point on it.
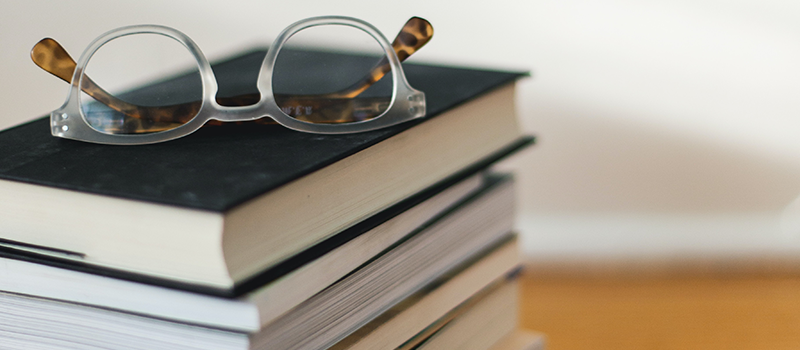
(450, 261)
(252, 311)
(330, 316)
(214, 210)
(438, 318)
(482, 325)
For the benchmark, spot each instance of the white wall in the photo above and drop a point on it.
(665, 127)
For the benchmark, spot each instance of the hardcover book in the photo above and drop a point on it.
(441, 266)
(470, 200)
(223, 209)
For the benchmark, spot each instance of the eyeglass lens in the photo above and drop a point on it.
(113, 100)
(332, 74)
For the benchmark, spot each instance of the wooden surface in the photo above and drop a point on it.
(663, 310)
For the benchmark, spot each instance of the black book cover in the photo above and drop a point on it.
(218, 168)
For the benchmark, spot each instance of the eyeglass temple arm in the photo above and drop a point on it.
(414, 35)
(49, 55)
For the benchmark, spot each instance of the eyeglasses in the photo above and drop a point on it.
(298, 87)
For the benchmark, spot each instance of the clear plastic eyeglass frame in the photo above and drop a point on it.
(406, 103)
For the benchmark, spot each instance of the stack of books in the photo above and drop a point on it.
(258, 237)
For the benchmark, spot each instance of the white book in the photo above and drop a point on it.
(482, 326)
(464, 317)
(317, 323)
(247, 314)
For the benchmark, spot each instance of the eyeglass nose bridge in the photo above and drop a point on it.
(237, 113)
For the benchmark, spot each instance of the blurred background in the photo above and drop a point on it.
(668, 131)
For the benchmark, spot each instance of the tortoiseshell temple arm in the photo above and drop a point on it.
(49, 55)
(414, 35)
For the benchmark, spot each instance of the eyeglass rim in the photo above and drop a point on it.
(69, 121)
